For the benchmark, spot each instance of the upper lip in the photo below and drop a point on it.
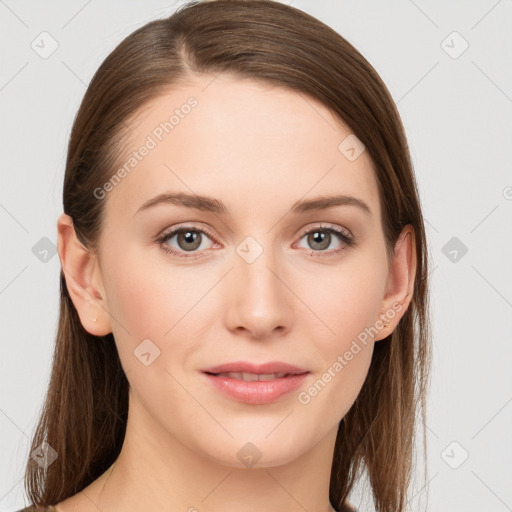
(259, 369)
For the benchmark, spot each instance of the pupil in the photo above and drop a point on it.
(189, 238)
(322, 238)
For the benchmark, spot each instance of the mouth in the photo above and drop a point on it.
(256, 388)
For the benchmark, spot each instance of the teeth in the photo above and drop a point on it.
(232, 375)
(251, 377)
(271, 376)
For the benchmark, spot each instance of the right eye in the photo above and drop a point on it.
(189, 240)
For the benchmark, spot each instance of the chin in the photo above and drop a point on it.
(256, 452)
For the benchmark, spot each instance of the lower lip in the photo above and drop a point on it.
(256, 392)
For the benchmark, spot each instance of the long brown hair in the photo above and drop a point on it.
(85, 410)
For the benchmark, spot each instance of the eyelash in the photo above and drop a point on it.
(346, 238)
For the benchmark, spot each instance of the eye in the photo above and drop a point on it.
(320, 238)
(189, 239)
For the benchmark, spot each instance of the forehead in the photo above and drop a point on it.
(248, 143)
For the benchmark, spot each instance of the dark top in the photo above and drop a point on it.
(32, 508)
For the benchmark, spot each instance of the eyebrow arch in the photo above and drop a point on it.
(325, 202)
(209, 204)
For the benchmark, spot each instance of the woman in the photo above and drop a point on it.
(244, 297)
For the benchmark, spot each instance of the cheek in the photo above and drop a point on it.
(166, 304)
(348, 298)
(148, 299)
(345, 355)
(349, 302)
(134, 298)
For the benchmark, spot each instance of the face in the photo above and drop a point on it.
(252, 277)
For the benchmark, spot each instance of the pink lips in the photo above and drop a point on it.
(256, 392)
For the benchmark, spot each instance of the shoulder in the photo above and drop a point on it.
(33, 508)
(347, 507)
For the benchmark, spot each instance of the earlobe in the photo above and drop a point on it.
(83, 279)
(400, 284)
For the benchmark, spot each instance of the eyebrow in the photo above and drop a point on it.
(210, 204)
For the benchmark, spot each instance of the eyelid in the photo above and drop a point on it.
(324, 226)
(183, 227)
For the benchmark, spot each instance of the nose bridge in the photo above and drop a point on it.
(258, 299)
(256, 267)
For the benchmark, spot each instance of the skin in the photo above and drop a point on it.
(258, 149)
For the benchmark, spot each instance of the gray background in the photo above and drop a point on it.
(457, 113)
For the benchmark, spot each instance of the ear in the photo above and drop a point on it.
(83, 279)
(400, 284)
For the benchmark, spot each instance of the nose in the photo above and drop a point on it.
(258, 301)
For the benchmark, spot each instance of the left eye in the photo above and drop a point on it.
(190, 239)
(322, 237)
